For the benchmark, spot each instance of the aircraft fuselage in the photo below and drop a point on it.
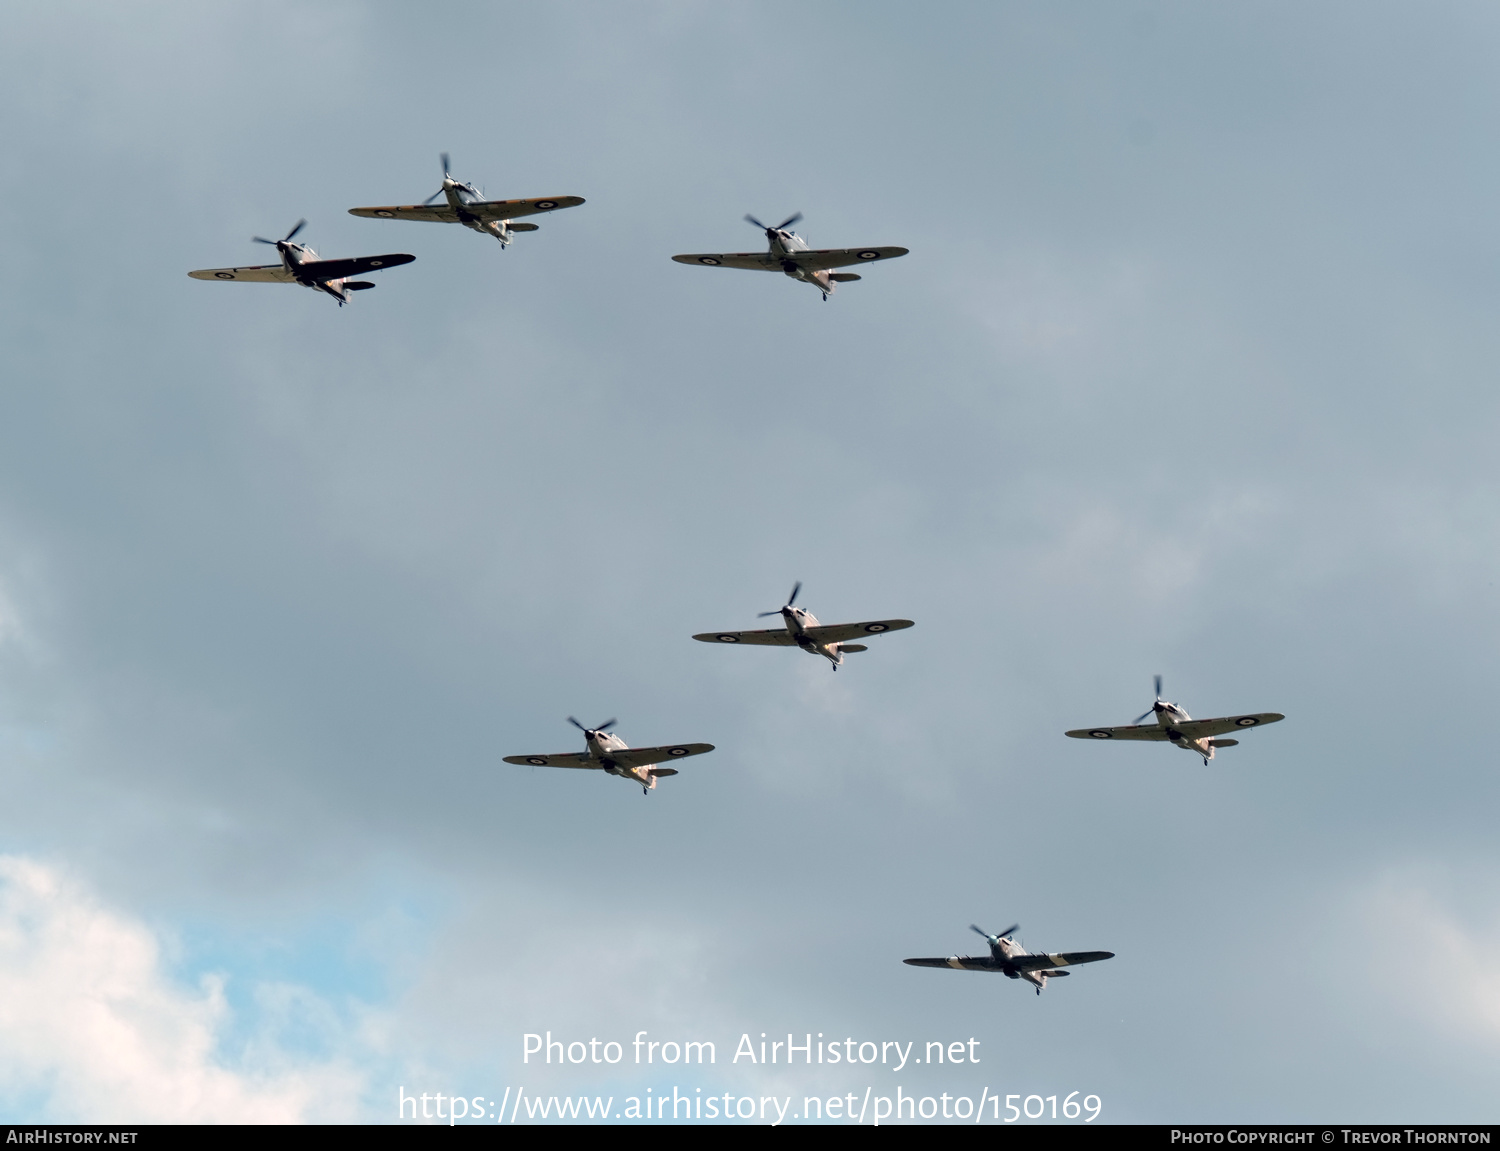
(293, 256)
(785, 244)
(1002, 951)
(797, 622)
(455, 192)
(1168, 715)
(601, 743)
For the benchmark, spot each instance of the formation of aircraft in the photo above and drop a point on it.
(466, 205)
(608, 752)
(1012, 960)
(1174, 725)
(300, 265)
(803, 630)
(788, 252)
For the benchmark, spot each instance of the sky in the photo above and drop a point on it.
(1191, 371)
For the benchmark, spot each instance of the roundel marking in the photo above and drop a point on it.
(869, 254)
(546, 205)
(729, 639)
(677, 751)
(376, 263)
(876, 627)
(709, 260)
(1246, 721)
(540, 761)
(1101, 735)
(223, 275)
(385, 214)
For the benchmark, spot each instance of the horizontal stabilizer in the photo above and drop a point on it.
(846, 648)
(523, 228)
(1224, 743)
(661, 771)
(358, 285)
(844, 277)
(1055, 974)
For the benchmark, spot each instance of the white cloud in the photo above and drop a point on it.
(1439, 964)
(94, 1027)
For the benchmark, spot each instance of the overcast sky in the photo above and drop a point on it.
(1192, 370)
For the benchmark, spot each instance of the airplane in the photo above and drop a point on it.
(1013, 961)
(300, 265)
(467, 206)
(789, 253)
(1174, 724)
(803, 629)
(607, 752)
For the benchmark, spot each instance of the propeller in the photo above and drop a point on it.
(787, 223)
(300, 224)
(790, 600)
(1152, 708)
(605, 726)
(446, 177)
(1006, 934)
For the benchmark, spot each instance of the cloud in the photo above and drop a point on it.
(93, 1027)
(1455, 982)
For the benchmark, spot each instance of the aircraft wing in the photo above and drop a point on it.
(320, 271)
(958, 962)
(1060, 959)
(755, 261)
(515, 209)
(431, 213)
(646, 756)
(566, 759)
(483, 209)
(1198, 728)
(816, 261)
(771, 637)
(838, 632)
(1134, 731)
(256, 274)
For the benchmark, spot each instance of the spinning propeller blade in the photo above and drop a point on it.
(1006, 934)
(787, 223)
(446, 178)
(791, 599)
(1152, 708)
(300, 224)
(605, 726)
